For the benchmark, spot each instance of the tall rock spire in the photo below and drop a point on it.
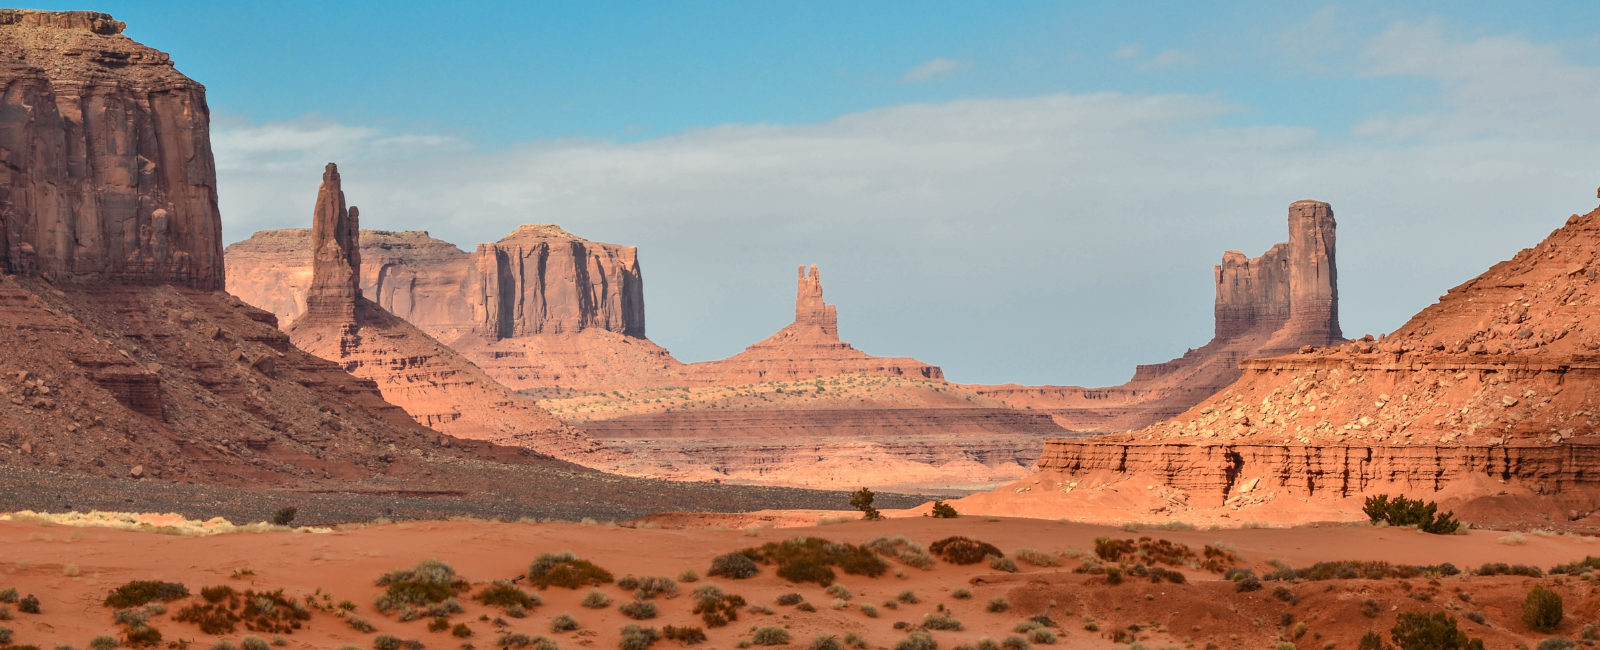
(336, 261)
(808, 306)
(1313, 278)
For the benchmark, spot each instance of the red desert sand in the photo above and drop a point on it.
(71, 570)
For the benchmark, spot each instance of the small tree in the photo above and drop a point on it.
(284, 516)
(1542, 609)
(944, 510)
(862, 500)
(1435, 631)
(1410, 512)
(1371, 641)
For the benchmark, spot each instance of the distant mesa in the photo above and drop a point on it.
(1265, 306)
(435, 385)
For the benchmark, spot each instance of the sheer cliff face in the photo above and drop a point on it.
(108, 175)
(336, 256)
(1265, 306)
(540, 279)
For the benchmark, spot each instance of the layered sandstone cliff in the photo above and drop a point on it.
(541, 308)
(1265, 306)
(1485, 400)
(434, 384)
(107, 173)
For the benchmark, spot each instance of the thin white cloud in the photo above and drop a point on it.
(1170, 59)
(989, 236)
(937, 68)
(1129, 51)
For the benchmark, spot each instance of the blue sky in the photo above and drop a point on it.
(1021, 191)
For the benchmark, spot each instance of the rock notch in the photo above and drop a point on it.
(107, 173)
(1265, 306)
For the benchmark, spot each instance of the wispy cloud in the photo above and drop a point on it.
(937, 68)
(1024, 224)
(1170, 59)
(1129, 51)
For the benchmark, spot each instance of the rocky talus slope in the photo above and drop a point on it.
(1265, 306)
(1486, 400)
(435, 385)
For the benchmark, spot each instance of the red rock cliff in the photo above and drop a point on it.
(541, 279)
(108, 174)
(1276, 303)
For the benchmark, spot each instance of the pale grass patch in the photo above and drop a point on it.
(72, 571)
(1513, 539)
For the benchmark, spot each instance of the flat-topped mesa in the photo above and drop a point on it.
(437, 386)
(808, 306)
(336, 257)
(108, 176)
(541, 279)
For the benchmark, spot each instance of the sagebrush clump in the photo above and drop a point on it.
(903, 549)
(770, 635)
(737, 566)
(1430, 631)
(566, 569)
(139, 592)
(811, 559)
(963, 550)
(1542, 609)
(429, 583)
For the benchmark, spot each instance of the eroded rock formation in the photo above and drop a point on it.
(540, 308)
(434, 384)
(1486, 397)
(808, 348)
(1265, 306)
(108, 175)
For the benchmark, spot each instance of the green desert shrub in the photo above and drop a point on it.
(1556, 644)
(565, 569)
(28, 605)
(962, 593)
(737, 566)
(250, 642)
(1037, 558)
(825, 642)
(650, 587)
(688, 575)
(811, 559)
(716, 608)
(998, 605)
(963, 550)
(638, 638)
(1371, 641)
(1430, 631)
(685, 635)
(869, 610)
(501, 593)
(918, 640)
(596, 599)
(862, 500)
(942, 510)
(429, 582)
(940, 622)
(1503, 569)
(1410, 512)
(838, 591)
(908, 597)
(139, 592)
(1001, 563)
(386, 642)
(770, 635)
(103, 642)
(1542, 610)
(563, 623)
(638, 610)
(790, 599)
(903, 549)
(855, 640)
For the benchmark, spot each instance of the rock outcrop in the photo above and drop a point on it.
(1266, 306)
(808, 348)
(435, 385)
(541, 308)
(1486, 397)
(107, 173)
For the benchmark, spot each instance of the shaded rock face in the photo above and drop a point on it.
(108, 175)
(542, 280)
(1265, 306)
(435, 385)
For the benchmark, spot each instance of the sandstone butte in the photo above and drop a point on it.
(431, 382)
(573, 308)
(1266, 306)
(124, 357)
(1485, 401)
